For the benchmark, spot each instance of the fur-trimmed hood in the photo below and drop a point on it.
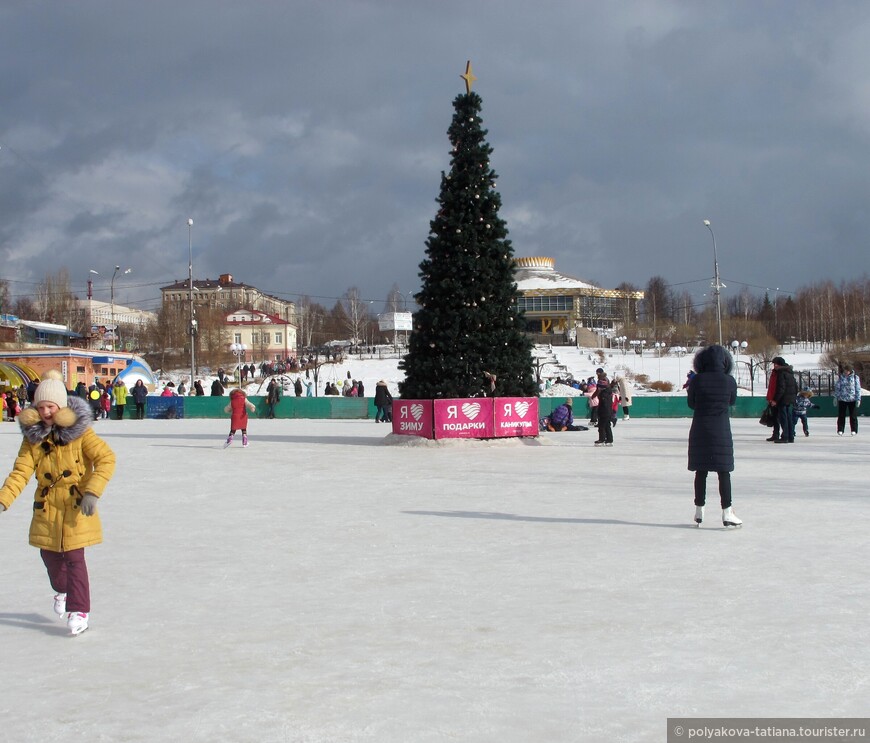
(713, 358)
(84, 418)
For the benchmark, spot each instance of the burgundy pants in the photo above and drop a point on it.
(68, 574)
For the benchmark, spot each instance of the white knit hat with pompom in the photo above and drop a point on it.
(51, 389)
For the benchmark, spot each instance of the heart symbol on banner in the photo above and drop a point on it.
(471, 410)
(416, 411)
(521, 408)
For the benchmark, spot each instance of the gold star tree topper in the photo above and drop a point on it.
(468, 77)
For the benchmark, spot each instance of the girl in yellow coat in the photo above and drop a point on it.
(72, 466)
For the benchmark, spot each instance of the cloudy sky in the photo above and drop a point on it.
(306, 138)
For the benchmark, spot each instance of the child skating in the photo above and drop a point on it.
(802, 404)
(238, 409)
(72, 466)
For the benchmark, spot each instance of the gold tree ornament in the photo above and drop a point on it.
(468, 77)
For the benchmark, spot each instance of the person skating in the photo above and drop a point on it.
(605, 406)
(383, 400)
(119, 392)
(238, 408)
(273, 396)
(562, 418)
(73, 467)
(711, 394)
(783, 399)
(140, 395)
(847, 399)
(626, 392)
(771, 395)
(802, 404)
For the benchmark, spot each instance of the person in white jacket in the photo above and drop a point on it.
(626, 393)
(847, 398)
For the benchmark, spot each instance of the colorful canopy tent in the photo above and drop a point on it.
(138, 369)
(13, 376)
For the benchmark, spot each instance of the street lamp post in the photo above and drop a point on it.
(190, 301)
(660, 348)
(775, 317)
(717, 285)
(736, 346)
(680, 351)
(238, 350)
(112, 295)
(752, 366)
(91, 307)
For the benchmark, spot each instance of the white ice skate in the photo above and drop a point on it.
(77, 622)
(699, 515)
(228, 441)
(730, 519)
(244, 440)
(60, 604)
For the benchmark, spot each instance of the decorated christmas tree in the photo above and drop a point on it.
(468, 336)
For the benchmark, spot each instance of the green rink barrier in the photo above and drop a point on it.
(289, 407)
(347, 408)
(667, 406)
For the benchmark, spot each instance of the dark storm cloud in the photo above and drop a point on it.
(306, 139)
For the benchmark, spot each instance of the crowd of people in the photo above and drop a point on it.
(288, 365)
(603, 398)
(60, 445)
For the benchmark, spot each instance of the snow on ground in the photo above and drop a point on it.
(322, 587)
(581, 362)
(369, 370)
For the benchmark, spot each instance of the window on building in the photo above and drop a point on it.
(278, 339)
(237, 337)
(255, 338)
(266, 337)
(545, 304)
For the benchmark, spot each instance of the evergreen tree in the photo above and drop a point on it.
(468, 325)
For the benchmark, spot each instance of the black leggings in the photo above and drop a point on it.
(846, 408)
(724, 488)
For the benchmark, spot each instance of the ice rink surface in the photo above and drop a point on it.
(333, 583)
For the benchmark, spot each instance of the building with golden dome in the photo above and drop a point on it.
(559, 308)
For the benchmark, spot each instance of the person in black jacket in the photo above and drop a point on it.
(140, 395)
(273, 396)
(711, 393)
(217, 388)
(783, 400)
(605, 406)
(383, 402)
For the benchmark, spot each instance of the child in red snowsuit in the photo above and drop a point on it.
(238, 409)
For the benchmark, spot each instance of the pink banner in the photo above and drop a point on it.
(516, 416)
(464, 419)
(413, 418)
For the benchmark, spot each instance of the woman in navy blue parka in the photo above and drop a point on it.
(711, 394)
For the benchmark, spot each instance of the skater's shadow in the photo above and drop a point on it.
(33, 621)
(542, 519)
